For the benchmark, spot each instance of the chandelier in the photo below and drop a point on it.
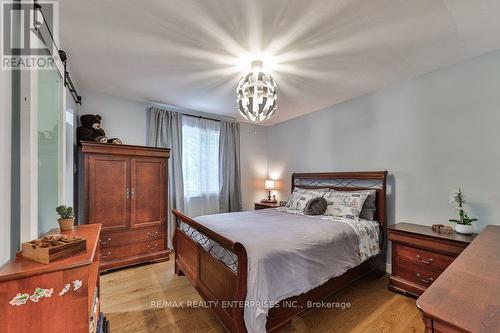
(256, 94)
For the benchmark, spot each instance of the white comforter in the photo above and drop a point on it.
(290, 254)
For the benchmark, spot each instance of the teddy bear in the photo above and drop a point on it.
(91, 130)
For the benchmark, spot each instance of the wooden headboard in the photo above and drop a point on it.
(351, 181)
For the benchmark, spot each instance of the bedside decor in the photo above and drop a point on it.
(256, 94)
(66, 217)
(270, 185)
(442, 229)
(463, 223)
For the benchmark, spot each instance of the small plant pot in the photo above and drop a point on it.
(464, 228)
(66, 224)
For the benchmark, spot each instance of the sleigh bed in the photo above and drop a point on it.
(218, 267)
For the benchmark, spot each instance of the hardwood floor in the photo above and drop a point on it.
(128, 295)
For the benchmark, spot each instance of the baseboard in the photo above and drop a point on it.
(388, 268)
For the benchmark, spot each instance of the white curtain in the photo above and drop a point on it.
(200, 165)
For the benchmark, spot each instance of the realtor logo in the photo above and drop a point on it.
(27, 31)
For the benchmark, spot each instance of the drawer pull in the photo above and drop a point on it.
(429, 280)
(104, 242)
(427, 262)
(107, 255)
(156, 234)
(152, 247)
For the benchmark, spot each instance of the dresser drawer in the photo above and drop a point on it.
(414, 273)
(134, 249)
(422, 258)
(118, 238)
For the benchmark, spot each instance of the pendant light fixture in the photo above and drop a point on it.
(256, 94)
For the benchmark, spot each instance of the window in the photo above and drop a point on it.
(200, 157)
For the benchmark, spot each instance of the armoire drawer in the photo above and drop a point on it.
(134, 249)
(129, 236)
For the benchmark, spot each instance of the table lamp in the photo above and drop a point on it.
(270, 185)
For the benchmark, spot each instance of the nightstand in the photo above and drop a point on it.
(265, 205)
(420, 255)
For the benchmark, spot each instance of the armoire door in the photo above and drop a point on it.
(148, 191)
(109, 191)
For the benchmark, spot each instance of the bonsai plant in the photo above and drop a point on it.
(463, 224)
(66, 217)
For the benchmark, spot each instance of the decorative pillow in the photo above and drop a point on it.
(345, 204)
(316, 206)
(301, 196)
(370, 206)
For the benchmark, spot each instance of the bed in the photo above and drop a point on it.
(236, 261)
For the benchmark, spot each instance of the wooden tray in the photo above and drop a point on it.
(61, 249)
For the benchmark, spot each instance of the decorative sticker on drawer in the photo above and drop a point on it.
(19, 299)
(65, 289)
(40, 293)
(22, 298)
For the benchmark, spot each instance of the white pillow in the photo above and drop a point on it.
(300, 197)
(345, 204)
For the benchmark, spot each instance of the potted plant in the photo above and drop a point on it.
(463, 224)
(66, 217)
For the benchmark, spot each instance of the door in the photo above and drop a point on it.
(108, 190)
(148, 186)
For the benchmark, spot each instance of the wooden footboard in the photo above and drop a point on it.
(215, 266)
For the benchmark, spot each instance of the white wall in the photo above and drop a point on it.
(433, 134)
(121, 118)
(253, 159)
(5, 163)
(127, 120)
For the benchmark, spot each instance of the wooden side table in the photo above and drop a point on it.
(265, 205)
(420, 255)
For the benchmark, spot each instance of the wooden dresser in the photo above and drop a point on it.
(55, 297)
(420, 255)
(466, 297)
(125, 190)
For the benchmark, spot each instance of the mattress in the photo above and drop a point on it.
(288, 253)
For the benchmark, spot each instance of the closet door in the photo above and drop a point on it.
(108, 191)
(148, 191)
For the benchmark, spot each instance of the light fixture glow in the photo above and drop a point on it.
(256, 94)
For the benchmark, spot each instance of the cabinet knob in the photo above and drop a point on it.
(104, 242)
(152, 247)
(153, 235)
(106, 255)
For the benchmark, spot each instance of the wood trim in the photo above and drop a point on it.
(128, 150)
(190, 258)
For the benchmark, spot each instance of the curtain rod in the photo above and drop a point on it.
(191, 113)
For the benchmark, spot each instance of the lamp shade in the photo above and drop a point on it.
(269, 184)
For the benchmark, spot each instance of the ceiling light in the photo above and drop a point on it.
(256, 94)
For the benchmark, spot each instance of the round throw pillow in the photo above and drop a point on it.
(316, 206)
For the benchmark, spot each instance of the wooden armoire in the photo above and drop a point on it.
(125, 189)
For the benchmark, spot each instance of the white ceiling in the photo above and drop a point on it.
(187, 52)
